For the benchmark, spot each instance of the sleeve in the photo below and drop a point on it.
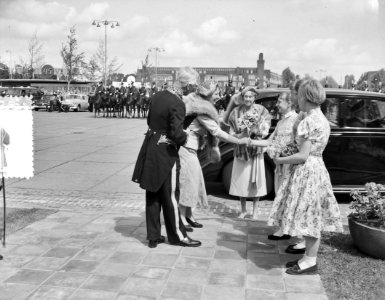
(231, 120)
(176, 119)
(212, 127)
(266, 123)
(305, 129)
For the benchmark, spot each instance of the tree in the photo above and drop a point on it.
(287, 77)
(35, 54)
(146, 69)
(4, 71)
(113, 65)
(71, 58)
(92, 69)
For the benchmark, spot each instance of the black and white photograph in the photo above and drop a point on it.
(192, 150)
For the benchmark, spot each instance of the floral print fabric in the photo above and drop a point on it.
(305, 203)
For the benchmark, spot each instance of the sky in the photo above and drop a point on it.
(316, 37)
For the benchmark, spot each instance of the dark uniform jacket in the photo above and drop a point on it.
(156, 160)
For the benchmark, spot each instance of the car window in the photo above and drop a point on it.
(330, 109)
(365, 113)
(271, 105)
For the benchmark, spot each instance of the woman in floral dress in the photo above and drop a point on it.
(248, 174)
(305, 203)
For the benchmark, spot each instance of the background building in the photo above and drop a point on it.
(257, 76)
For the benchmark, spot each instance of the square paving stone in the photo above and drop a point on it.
(151, 272)
(215, 292)
(67, 279)
(134, 297)
(305, 296)
(255, 239)
(236, 280)
(92, 295)
(105, 283)
(51, 292)
(148, 287)
(193, 263)
(115, 269)
(7, 272)
(80, 266)
(28, 276)
(30, 250)
(133, 258)
(265, 282)
(261, 230)
(93, 254)
(198, 252)
(227, 236)
(265, 295)
(62, 252)
(252, 268)
(160, 259)
(15, 291)
(184, 291)
(231, 246)
(46, 263)
(263, 247)
(264, 259)
(16, 261)
(309, 284)
(224, 254)
(132, 247)
(194, 276)
(228, 266)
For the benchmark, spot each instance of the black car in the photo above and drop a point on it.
(355, 153)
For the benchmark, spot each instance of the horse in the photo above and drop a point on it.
(143, 103)
(132, 100)
(112, 105)
(100, 102)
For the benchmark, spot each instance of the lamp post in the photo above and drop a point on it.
(113, 24)
(156, 49)
(320, 71)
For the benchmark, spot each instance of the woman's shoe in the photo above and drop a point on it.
(277, 238)
(242, 215)
(291, 250)
(188, 228)
(291, 263)
(194, 223)
(296, 270)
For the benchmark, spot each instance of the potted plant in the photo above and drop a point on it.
(367, 221)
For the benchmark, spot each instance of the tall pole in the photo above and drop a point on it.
(156, 49)
(113, 24)
(105, 55)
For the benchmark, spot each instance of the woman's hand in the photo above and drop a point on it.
(243, 141)
(277, 160)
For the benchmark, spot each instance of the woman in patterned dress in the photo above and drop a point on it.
(305, 203)
(248, 175)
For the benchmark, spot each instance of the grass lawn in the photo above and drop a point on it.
(18, 218)
(347, 273)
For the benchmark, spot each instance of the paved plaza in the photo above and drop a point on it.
(94, 246)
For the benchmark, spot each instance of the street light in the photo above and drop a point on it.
(320, 72)
(113, 24)
(156, 49)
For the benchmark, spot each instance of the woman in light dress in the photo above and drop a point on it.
(248, 175)
(203, 132)
(281, 137)
(305, 204)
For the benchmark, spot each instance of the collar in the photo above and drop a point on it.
(289, 114)
(176, 91)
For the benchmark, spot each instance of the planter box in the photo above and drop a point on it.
(369, 240)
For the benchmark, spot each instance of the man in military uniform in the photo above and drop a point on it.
(229, 91)
(157, 166)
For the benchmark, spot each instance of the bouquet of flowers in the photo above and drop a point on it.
(253, 124)
(282, 147)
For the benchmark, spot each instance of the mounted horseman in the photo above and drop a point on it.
(98, 102)
(122, 99)
(143, 101)
(132, 95)
(229, 91)
(112, 101)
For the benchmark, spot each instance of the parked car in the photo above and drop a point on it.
(43, 102)
(76, 102)
(355, 153)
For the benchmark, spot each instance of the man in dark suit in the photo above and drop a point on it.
(157, 166)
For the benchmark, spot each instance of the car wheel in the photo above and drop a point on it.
(78, 108)
(36, 109)
(226, 175)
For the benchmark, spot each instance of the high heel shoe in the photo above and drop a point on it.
(194, 223)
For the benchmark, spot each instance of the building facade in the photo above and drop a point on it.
(256, 76)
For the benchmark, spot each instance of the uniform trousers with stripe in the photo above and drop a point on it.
(166, 198)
